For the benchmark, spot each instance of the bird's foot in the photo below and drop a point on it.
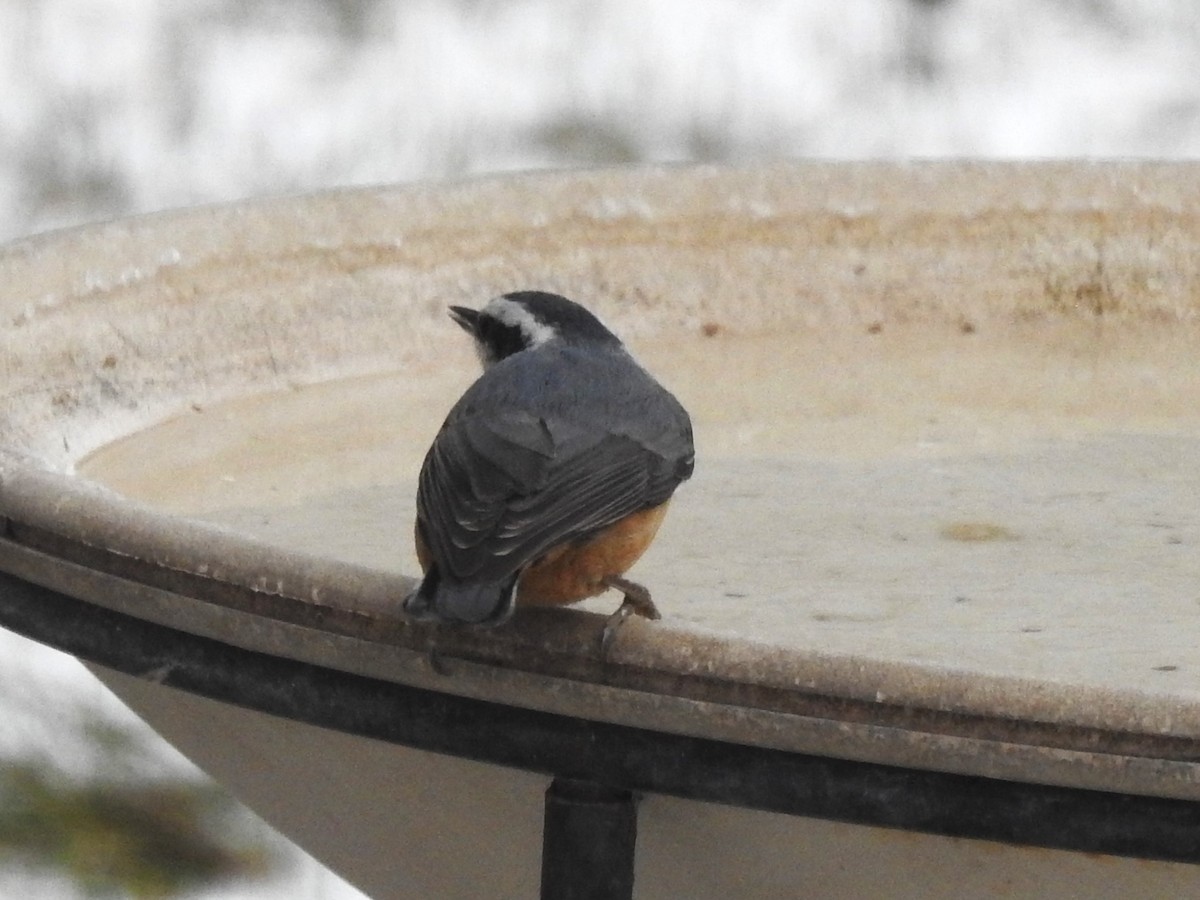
(637, 602)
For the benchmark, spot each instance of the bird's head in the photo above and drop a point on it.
(528, 319)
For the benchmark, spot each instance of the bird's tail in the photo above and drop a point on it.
(469, 603)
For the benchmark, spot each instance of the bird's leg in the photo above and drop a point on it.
(637, 597)
(436, 661)
(418, 608)
(433, 654)
(637, 602)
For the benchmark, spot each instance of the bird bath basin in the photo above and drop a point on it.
(936, 569)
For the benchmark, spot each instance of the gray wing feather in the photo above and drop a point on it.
(484, 524)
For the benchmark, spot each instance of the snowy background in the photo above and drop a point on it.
(115, 107)
(110, 107)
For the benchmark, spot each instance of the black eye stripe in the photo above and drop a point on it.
(501, 339)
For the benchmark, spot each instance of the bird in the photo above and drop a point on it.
(550, 476)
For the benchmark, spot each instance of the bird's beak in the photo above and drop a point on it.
(466, 317)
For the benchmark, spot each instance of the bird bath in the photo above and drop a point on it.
(936, 569)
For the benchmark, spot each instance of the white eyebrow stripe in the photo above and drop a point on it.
(516, 315)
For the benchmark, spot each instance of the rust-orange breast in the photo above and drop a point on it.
(573, 572)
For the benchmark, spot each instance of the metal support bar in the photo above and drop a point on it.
(588, 842)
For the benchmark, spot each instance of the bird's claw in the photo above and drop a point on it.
(637, 602)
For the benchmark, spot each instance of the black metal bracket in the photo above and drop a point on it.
(588, 842)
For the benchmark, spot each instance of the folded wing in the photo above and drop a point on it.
(495, 495)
